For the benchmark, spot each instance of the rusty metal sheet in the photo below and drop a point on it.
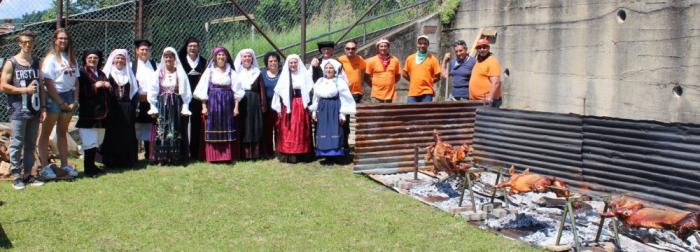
(386, 134)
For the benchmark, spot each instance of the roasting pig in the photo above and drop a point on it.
(446, 158)
(529, 182)
(634, 214)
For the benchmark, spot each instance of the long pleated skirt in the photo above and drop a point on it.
(295, 132)
(120, 147)
(169, 135)
(269, 134)
(220, 134)
(329, 132)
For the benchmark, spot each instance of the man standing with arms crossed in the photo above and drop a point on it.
(20, 81)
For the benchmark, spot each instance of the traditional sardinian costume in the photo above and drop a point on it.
(292, 96)
(145, 72)
(194, 69)
(95, 108)
(170, 100)
(120, 147)
(252, 106)
(270, 116)
(332, 100)
(220, 90)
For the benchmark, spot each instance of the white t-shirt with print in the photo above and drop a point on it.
(62, 75)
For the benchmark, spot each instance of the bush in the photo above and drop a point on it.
(448, 10)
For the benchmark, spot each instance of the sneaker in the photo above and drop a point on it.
(70, 170)
(18, 184)
(47, 172)
(32, 181)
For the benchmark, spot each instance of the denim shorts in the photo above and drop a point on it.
(54, 107)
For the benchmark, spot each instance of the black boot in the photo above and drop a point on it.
(147, 150)
(91, 169)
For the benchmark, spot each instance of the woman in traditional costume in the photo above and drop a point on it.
(94, 100)
(120, 147)
(270, 75)
(169, 100)
(252, 106)
(332, 102)
(292, 96)
(220, 92)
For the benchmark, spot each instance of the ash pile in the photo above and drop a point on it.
(532, 217)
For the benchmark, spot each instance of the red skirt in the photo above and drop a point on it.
(223, 151)
(294, 129)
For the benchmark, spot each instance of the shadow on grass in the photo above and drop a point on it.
(5, 242)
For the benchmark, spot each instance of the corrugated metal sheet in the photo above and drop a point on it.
(548, 144)
(386, 134)
(655, 162)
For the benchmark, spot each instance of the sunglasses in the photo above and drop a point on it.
(26, 42)
(350, 48)
(482, 47)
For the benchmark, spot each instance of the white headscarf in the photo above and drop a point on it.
(201, 92)
(110, 70)
(282, 95)
(337, 85)
(336, 65)
(246, 78)
(183, 84)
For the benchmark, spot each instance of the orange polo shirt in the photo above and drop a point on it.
(421, 75)
(479, 84)
(383, 81)
(353, 69)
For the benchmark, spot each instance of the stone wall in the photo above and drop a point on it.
(618, 58)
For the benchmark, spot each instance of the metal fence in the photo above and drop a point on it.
(214, 23)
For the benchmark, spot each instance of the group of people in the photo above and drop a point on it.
(240, 111)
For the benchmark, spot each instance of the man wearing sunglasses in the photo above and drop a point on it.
(20, 80)
(485, 82)
(354, 67)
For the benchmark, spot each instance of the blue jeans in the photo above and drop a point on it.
(24, 133)
(54, 107)
(420, 98)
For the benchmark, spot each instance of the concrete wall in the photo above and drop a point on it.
(579, 57)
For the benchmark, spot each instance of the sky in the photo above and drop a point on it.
(17, 8)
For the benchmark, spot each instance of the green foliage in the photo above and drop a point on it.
(280, 15)
(448, 10)
(248, 206)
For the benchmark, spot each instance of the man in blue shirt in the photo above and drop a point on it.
(460, 69)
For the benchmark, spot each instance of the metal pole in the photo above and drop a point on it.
(303, 31)
(415, 162)
(66, 14)
(357, 22)
(139, 19)
(59, 14)
(250, 19)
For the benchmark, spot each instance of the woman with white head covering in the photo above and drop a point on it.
(170, 98)
(292, 96)
(120, 146)
(220, 93)
(92, 117)
(252, 105)
(332, 102)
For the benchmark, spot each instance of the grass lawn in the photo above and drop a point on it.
(261, 205)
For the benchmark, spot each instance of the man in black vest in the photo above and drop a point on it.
(145, 71)
(194, 65)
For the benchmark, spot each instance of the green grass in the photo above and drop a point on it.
(247, 206)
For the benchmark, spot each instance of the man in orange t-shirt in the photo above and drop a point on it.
(485, 82)
(354, 68)
(421, 70)
(385, 71)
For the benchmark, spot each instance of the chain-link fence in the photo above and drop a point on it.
(216, 23)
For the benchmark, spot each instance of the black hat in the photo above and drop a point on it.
(323, 44)
(95, 52)
(142, 42)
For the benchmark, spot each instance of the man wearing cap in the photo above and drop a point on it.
(385, 71)
(145, 70)
(485, 82)
(326, 49)
(460, 69)
(422, 70)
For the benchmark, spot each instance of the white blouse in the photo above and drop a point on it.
(145, 75)
(63, 76)
(329, 88)
(170, 79)
(220, 78)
